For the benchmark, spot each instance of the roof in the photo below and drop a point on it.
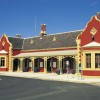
(92, 44)
(16, 42)
(66, 39)
(49, 53)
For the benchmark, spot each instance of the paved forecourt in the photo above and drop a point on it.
(17, 88)
(54, 77)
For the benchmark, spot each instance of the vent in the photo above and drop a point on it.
(32, 41)
(54, 39)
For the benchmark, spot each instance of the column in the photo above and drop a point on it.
(78, 51)
(32, 64)
(45, 64)
(21, 64)
(60, 64)
(11, 67)
(9, 60)
(76, 64)
(92, 60)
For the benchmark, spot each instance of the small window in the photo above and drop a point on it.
(2, 61)
(92, 37)
(88, 60)
(97, 60)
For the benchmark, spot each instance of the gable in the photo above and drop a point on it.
(4, 43)
(92, 30)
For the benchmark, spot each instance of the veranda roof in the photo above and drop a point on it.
(48, 53)
(92, 44)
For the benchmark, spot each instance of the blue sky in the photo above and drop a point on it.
(18, 16)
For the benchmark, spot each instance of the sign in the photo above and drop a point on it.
(54, 64)
(30, 64)
(80, 68)
(67, 62)
(79, 64)
(41, 64)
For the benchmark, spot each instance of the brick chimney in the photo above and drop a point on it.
(43, 30)
(98, 15)
(18, 35)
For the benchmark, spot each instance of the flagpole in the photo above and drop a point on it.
(35, 25)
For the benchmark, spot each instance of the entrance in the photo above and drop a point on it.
(16, 63)
(52, 64)
(27, 65)
(68, 65)
(49, 65)
(39, 65)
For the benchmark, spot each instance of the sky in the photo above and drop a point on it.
(25, 16)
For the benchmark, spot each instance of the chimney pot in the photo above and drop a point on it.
(98, 15)
(18, 35)
(43, 30)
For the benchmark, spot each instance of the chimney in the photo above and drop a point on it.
(98, 15)
(43, 30)
(18, 35)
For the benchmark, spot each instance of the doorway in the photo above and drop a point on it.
(52, 64)
(16, 63)
(68, 65)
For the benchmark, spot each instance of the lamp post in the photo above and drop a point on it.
(80, 72)
(80, 65)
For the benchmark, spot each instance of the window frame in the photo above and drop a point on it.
(97, 60)
(2, 61)
(88, 60)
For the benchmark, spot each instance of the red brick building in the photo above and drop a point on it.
(73, 51)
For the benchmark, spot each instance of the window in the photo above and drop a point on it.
(97, 60)
(2, 61)
(88, 60)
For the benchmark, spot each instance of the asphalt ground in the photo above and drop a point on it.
(14, 88)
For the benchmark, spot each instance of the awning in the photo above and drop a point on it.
(92, 44)
(3, 52)
(48, 53)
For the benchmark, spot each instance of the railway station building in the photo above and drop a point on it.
(72, 52)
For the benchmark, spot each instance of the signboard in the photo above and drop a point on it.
(79, 64)
(80, 68)
(67, 62)
(30, 64)
(41, 64)
(54, 64)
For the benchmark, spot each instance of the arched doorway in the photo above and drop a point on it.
(39, 65)
(27, 65)
(52, 64)
(16, 63)
(49, 65)
(68, 63)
